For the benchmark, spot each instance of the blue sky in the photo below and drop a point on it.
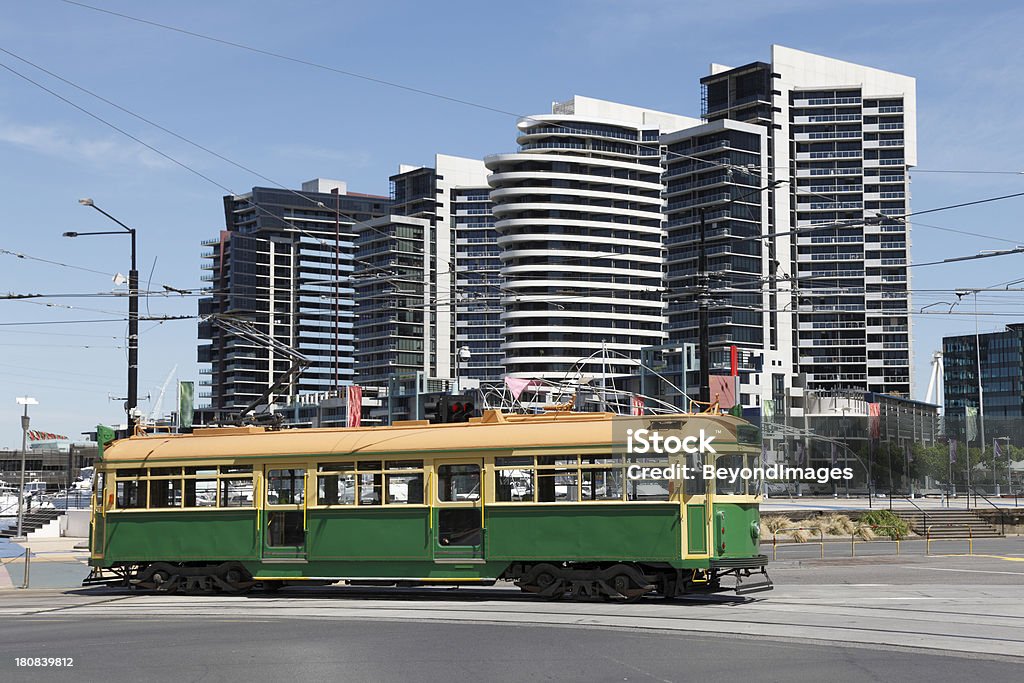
(291, 123)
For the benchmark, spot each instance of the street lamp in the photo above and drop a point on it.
(25, 401)
(961, 293)
(133, 315)
(1009, 461)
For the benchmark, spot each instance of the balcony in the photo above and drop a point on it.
(826, 101)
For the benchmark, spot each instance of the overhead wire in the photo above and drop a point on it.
(432, 94)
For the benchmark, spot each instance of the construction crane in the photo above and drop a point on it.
(158, 404)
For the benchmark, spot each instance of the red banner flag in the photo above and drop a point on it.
(354, 416)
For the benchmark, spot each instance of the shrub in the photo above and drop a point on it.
(837, 525)
(886, 523)
(773, 523)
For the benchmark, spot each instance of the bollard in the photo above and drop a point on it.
(28, 564)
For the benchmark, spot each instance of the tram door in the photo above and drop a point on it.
(284, 513)
(697, 503)
(459, 511)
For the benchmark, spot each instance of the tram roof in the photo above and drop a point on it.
(491, 432)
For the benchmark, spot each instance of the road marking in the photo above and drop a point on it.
(972, 571)
(994, 557)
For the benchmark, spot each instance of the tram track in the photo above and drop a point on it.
(835, 620)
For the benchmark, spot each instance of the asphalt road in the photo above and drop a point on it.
(907, 618)
(234, 648)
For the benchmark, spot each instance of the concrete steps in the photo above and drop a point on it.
(949, 523)
(32, 521)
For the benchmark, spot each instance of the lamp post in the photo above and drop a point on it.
(133, 316)
(981, 396)
(1009, 461)
(25, 401)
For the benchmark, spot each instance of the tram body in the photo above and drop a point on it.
(544, 500)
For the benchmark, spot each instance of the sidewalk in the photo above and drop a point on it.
(780, 503)
(55, 563)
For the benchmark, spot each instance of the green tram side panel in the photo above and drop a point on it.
(738, 519)
(582, 532)
(696, 527)
(181, 536)
(368, 534)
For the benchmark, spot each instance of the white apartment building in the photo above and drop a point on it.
(578, 212)
(842, 138)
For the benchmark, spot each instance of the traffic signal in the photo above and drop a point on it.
(460, 408)
(432, 408)
(449, 409)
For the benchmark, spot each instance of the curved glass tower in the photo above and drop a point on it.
(578, 211)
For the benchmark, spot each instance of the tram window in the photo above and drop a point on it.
(558, 460)
(458, 483)
(648, 489)
(336, 466)
(558, 485)
(131, 494)
(165, 493)
(165, 472)
(200, 493)
(725, 487)
(458, 526)
(601, 484)
(696, 485)
(285, 528)
(405, 489)
(514, 485)
(369, 488)
(287, 485)
(236, 469)
(236, 493)
(601, 459)
(405, 464)
(518, 461)
(366, 465)
(206, 471)
(756, 483)
(336, 489)
(97, 487)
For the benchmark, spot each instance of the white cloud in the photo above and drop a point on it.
(69, 145)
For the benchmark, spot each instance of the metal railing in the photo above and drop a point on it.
(820, 542)
(27, 556)
(893, 538)
(924, 513)
(1002, 513)
(928, 537)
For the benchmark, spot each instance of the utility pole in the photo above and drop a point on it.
(981, 400)
(703, 294)
(133, 317)
(337, 285)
